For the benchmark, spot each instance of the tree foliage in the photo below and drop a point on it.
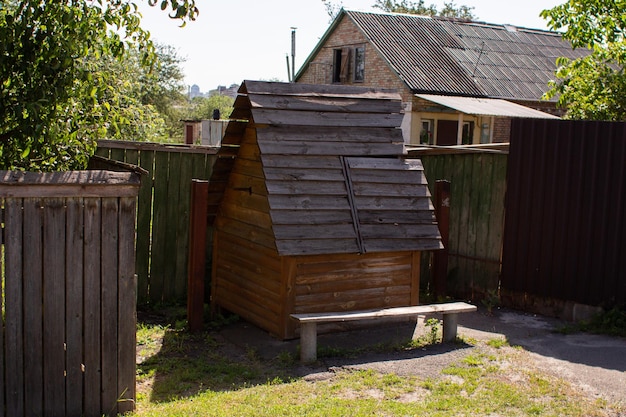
(202, 107)
(592, 87)
(56, 99)
(403, 6)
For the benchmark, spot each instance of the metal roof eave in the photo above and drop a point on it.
(486, 106)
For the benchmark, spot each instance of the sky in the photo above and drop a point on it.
(236, 40)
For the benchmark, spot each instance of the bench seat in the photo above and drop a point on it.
(308, 321)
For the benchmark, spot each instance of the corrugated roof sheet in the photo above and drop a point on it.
(452, 57)
(486, 106)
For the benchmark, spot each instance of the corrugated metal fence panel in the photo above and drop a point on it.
(163, 212)
(565, 235)
(476, 218)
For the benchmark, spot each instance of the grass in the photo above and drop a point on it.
(180, 374)
(609, 322)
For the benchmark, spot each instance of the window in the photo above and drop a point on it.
(359, 64)
(426, 135)
(341, 64)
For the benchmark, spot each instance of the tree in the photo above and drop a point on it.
(592, 87)
(55, 100)
(403, 6)
(203, 107)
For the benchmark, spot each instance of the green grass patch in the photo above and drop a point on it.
(182, 374)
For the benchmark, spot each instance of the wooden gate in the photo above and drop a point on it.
(68, 332)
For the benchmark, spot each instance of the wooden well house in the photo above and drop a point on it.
(314, 208)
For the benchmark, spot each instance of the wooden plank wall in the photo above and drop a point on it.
(247, 271)
(345, 282)
(163, 213)
(478, 185)
(68, 265)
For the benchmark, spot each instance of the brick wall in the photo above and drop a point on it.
(377, 72)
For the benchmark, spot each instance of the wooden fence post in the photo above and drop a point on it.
(197, 253)
(440, 259)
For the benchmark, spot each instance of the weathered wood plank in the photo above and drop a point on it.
(127, 311)
(320, 118)
(320, 202)
(301, 162)
(33, 314)
(330, 104)
(299, 231)
(410, 311)
(105, 145)
(14, 318)
(383, 176)
(416, 259)
(109, 288)
(74, 304)
(246, 231)
(144, 226)
(92, 303)
(356, 134)
(159, 228)
(396, 277)
(54, 305)
(389, 190)
(301, 174)
(377, 203)
(256, 293)
(182, 229)
(317, 246)
(287, 327)
(398, 231)
(377, 245)
(333, 266)
(328, 148)
(2, 305)
(294, 217)
(256, 254)
(396, 216)
(335, 90)
(68, 184)
(311, 188)
(353, 295)
(172, 201)
(247, 215)
(252, 185)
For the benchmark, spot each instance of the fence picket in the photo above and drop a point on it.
(14, 320)
(33, 298)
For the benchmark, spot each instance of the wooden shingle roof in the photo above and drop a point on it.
(331, 167)
(434, 55)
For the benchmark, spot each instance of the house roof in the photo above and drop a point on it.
(486, 106)
(333, 177)
(434, 55)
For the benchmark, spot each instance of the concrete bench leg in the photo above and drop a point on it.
(308, 342)
(450, 322)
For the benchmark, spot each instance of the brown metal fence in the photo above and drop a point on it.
(565, 235)
(67, 333)
(163, 213)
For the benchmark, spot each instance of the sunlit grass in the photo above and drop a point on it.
(193, 376)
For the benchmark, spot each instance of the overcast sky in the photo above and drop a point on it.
(235, 40)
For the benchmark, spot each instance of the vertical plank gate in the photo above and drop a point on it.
(67, 343)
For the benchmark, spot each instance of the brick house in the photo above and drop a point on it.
(461, 82)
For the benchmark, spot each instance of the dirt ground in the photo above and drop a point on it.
(596, 364)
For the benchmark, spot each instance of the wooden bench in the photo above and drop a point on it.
(308, 322)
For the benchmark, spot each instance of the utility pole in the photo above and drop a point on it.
(293, 54)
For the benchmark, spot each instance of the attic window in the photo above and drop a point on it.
(341, 65)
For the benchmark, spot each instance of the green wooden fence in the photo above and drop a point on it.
(477, 188)
(163, 213)
(478, 184)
